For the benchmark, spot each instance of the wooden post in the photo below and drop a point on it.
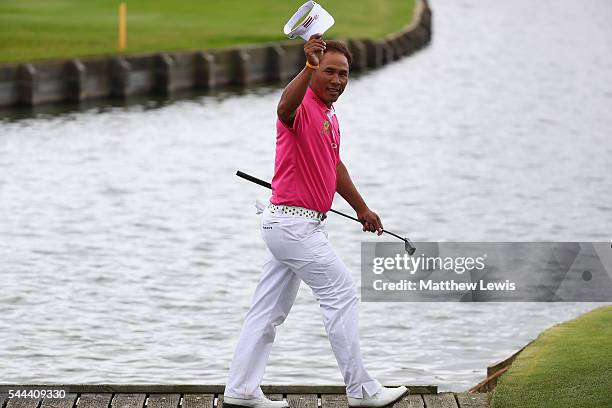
(205, 70)
(120, 77)
(239, 66)
(374, 53)
(164, 73)
(76, 75)
(277, 63)
(27, 85)
(122, 26)
(360, 57)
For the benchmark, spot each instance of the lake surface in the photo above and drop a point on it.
(129, 250)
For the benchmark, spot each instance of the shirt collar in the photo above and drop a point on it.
(311, 94)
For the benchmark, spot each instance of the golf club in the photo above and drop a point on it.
(408, 245)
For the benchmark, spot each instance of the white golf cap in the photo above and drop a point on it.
(315, 20)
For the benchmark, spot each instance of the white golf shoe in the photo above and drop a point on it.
(261, 402)
(386, 396)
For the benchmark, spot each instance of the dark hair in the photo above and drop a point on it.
(340, 47)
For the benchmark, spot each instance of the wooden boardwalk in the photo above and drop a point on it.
(211, 396)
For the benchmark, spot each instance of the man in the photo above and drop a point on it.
(308, 171)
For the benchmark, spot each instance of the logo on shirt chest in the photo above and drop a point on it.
(328, 132)
(326, 126)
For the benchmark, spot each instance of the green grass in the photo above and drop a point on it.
(568, 365)
(39, 29)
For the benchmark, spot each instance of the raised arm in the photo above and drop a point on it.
(296, 89)
(345, 187)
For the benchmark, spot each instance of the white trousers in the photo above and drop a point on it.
(298, 250)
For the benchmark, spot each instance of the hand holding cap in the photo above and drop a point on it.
(315, 20)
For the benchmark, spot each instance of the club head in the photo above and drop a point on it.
(409, 246)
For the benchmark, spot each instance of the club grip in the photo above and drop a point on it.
(254, 179)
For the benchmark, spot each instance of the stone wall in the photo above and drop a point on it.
(125, 75)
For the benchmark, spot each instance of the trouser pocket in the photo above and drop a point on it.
(286, 238)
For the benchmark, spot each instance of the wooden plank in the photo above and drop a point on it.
(128, 401)
(206, 388)
(472, 400)
(198, 400)
(302, 400)
(334, 401)
(443, 400)
(220, 400)
(169, 401)
(66, 402)
(422, 389)
(410, 401)
(94, 400)
(22, 402)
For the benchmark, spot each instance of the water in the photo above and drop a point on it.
(130, 251)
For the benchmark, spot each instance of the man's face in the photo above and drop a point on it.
(329, 81)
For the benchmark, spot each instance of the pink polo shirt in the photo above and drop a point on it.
(307, 156)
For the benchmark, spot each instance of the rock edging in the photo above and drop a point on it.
(121, 76)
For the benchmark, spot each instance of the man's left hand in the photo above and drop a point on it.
(370, 221)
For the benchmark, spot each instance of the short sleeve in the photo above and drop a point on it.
(299, 122)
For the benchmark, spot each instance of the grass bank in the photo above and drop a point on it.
(568, 365)
(39, 29)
